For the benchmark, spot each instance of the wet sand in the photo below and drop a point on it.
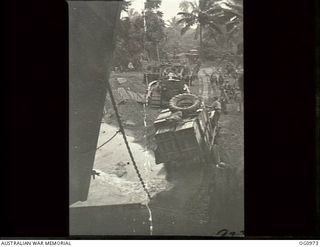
(118, 183)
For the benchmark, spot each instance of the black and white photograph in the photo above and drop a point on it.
(160, 120)
(156, 118)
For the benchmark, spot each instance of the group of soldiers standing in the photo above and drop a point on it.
(230, 85)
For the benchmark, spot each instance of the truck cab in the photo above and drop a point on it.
(161, 90)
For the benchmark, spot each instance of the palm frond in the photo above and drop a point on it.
(233, 9)
(185, 29)
(215, 27)
(192, 5)
(238, 14)
(212, 10)
(231, 32)
(184, 13)
(188, 19)
(160, 14)
(184, 5)
(235, 6)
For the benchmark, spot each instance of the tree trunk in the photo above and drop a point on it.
(200, 33)
(158, 55)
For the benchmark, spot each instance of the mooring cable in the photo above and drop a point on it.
(125, 140)
(146, 153)
(108, 139)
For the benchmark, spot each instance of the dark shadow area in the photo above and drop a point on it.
(91, 43)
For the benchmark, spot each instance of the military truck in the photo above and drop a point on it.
(153, 72)
(184, 136)
(183, 71)
(172, 81)
(162, 90)
(193, 56)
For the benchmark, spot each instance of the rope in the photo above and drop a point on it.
(104, 142)
(126, 141)
(146, 154)
(150, 219)
(108, 140)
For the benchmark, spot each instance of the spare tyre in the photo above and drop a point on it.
(187, 103)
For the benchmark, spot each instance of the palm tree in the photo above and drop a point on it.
(230, 18)
(235, 24)
(133, 14)
(199, 15)
(173, 23)
(154, 24)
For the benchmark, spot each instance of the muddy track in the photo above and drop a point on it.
(199, 204)
(207, 205)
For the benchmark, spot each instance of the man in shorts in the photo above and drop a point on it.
(215, 114)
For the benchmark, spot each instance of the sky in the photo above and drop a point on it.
(169, 7)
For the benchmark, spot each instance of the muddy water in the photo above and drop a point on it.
(118, 182)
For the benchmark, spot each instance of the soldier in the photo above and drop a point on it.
(213, 80)
(220, 79)
(224, 100)
(130, 66)
(215, 114)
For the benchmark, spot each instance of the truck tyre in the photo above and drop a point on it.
(187, 103)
